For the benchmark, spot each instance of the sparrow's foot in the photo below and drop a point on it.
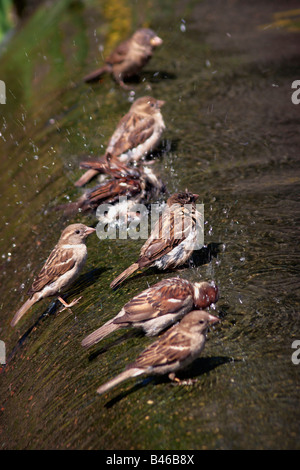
(66, 305)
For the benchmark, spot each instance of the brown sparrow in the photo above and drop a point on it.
(107, 192)
(174, 350)
(173, 238)
(61, 268)
(137, 134)
(158, 307)
(129, 57)
(138, 185)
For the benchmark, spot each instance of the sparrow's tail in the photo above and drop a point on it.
(100, 165)
(23, 310)
(124, 275)
(86, 177)
(99, 334)
(94, 168)
(96, 74)
(127, 374)
(72, 207)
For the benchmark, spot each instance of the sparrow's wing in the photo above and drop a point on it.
(100, 165)
(112, 166)
(173, 346)
(132, 130)
(119, 53)
(168, 233)
(174, 225)
(110, 190)
(59, 262)
(165, 297)
(142, 131)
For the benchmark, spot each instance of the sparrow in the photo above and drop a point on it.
(107, 192)
(174, 350)
(61, 268)
(129, 57)
(158, 307)
(136, 135)
(173, 239)
(138, 185)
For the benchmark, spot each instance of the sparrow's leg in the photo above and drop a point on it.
(66, 305)
(173, 377)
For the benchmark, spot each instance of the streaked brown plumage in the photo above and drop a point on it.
(61, 268)
(173, 351)
(138, 185)
(173, 238)
(112, 166)
(136, 135)
(129, 57)
(158, 307)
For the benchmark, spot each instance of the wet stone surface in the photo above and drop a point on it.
(225, 70)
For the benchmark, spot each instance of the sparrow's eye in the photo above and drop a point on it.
(77, 231)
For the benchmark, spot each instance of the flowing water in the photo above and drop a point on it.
(225, 70)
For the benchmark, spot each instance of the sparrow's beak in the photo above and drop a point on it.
(156, 41)
(196, 196)
(160, 103)
(213, 319)
(89, 230)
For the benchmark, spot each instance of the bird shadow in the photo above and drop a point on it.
(126, 336)
(159, 75)
(187, 377)
(152, 76)
(84, 281)
(205, 254)
(164, 146)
